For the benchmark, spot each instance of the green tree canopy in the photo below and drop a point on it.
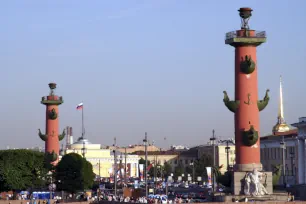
(22, 169)
(167, 169)
(74, 173)
(179, 170)
(143, 161)
(201, 164)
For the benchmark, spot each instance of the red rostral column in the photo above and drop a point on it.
(246, 105)
(52, 136)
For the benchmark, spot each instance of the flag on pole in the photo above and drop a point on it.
(149, 167)
(79, 106)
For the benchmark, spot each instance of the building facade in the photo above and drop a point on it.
(272, 151)
(161, 157)
(103, 160)
(224, 158)
(134, 148)
(301, 150)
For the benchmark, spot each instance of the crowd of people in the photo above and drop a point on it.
(150, 199)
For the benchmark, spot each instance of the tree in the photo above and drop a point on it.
(74, 173)
(22, 170)
(179, 170)
(276, 174)
(188, 170)
(143, 161)
(201, 164)
(167, 169)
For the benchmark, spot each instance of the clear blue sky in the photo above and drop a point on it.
(158, 66)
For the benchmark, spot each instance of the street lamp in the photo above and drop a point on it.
(62, 192)
(125, 181)
(84, 150)
(283, 147)
(292, 157)
(99, 166)
(51, 185)
(145, 142)
(227, 148)
(115, 167)
(192, 164)
(212, 141)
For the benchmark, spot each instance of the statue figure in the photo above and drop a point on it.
(253, 185)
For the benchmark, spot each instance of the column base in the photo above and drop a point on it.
(247, 167)
(238, 182)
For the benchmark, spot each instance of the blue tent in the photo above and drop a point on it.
(42, 195)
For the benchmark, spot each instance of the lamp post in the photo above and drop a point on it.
(62, 192)
(192, 164)
(227, 148)
(292, 164)
(283, 147)
(115, 167)
(52, 185)
(99, 166)
(155, 173)
(145, 142)
(292, 157)
(125, 181)
(84, 150)
(212, 141)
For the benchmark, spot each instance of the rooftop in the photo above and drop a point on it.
(291, 133)
(168, 152)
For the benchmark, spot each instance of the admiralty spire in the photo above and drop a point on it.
(281, 125)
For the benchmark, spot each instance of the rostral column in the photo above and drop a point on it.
(246, 105)
(52, 136)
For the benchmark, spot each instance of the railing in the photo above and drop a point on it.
(44, 98)
(233, 34)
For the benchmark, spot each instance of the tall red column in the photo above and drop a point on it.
(52, 136)
(246, 105)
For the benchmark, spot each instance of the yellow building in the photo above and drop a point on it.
(161, 157)
(102, 160)
(220, 155)
(135, 148)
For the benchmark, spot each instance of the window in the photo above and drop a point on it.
(175, 162)
(186, 161)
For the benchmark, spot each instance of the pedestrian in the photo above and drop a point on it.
(289, 196)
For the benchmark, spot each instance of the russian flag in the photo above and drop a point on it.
(79, 106)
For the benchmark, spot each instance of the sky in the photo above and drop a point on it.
(155, 66)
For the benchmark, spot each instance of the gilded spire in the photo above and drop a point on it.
(281, 125)
(281, 106)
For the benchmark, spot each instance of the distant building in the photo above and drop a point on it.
(271, 154)
(179, 148)
(161, 157)
(301, 150)
(223, 159)
(135, 148)
(188, 157)
(102, 160)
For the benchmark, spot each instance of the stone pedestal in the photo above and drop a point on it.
(238, 182)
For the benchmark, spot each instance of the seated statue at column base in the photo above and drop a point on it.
(253, 185)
